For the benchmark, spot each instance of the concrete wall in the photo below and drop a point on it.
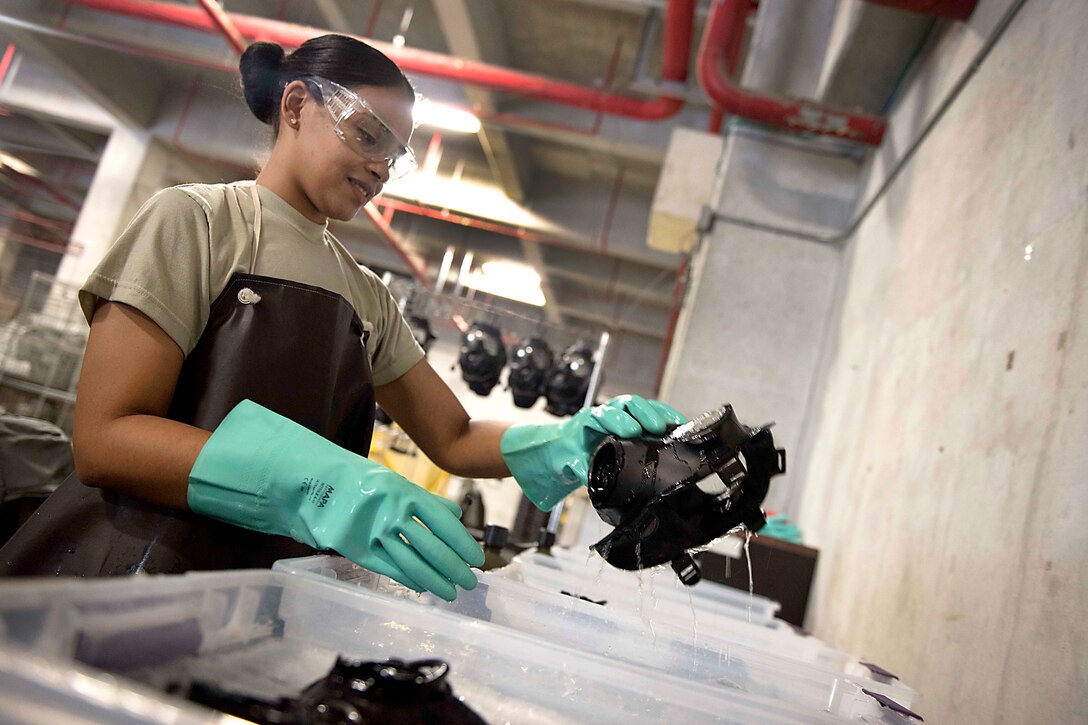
(948, 481)
(756, 311)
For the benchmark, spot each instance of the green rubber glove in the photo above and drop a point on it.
(550, 460)
(262, 471)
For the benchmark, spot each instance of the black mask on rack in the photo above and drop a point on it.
(653, 490)
(482, 357)
(421, 331)
(528, 367)
(568, 381)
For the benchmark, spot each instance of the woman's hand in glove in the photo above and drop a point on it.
(265, 472)
(550, 460)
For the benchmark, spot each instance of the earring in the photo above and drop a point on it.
(292, 120)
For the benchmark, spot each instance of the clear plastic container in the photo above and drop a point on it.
(594, 574)
(638, 594)
(653, 641)
(269, 634)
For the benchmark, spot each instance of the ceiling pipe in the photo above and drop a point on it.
(788, 114)
(36, 220)
(388, 202)
(679, 19)
(225, 24)
(732, 60)
(418, 270)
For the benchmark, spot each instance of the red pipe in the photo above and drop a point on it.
(454, 218)
(714, 123)
(38, 221)
(679, 19)
(49, 190)
(29, 241)
(792, 115)
(952, 9)
(5, 62)
(225, 24)
(387, 233)
(732, 60)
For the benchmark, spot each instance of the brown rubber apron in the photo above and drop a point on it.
(293, 348)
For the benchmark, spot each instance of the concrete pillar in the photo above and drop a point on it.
(107, 207)
(756, 310)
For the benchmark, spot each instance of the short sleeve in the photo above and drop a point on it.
(159, 265)
(395, 349)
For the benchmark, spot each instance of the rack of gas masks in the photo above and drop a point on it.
(542, 359)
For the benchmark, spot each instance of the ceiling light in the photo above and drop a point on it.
(511, 280)
(17, 165)
(445, 116)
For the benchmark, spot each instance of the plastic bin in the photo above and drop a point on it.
(270, 634)
(708, 596)
(654, 643)
(673, 604)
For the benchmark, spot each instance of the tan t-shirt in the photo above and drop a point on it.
(185, 243)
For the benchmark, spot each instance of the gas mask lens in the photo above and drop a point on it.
(363, 130)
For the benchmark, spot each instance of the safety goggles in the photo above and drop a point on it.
(363, 130)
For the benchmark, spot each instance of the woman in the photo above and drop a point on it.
(236, 351)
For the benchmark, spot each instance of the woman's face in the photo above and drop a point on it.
(336, 180)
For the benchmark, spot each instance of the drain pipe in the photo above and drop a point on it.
(679, 19)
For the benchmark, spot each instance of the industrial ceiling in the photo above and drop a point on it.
(564, 189)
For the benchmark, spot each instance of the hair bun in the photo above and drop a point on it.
(260, 66)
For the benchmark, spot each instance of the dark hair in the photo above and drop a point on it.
(266, 70)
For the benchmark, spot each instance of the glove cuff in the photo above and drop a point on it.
(529, 453)
(233, 478)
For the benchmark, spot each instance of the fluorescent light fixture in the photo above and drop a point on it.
(511, 280)
(17, 165)
(444, 116)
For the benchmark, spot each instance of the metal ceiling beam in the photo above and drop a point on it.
(473, 32)
(334, 16)
(643, 294)
(613, 324)
(122, 88)
(535, 258)
(83, 143)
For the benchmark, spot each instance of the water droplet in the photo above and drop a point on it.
(748, 560)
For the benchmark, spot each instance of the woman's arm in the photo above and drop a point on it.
(429, 412)
(120, 438)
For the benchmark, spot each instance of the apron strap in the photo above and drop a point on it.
(256, 227)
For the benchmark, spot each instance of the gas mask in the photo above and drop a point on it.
(528, 366)
(482, 357)
(653, 490)
(567, 382)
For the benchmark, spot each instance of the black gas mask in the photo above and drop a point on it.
(482, 357)
(567, 382)
(355, 693)
(528, 367)
(653, 490)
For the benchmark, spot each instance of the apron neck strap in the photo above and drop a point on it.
(256, 227)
